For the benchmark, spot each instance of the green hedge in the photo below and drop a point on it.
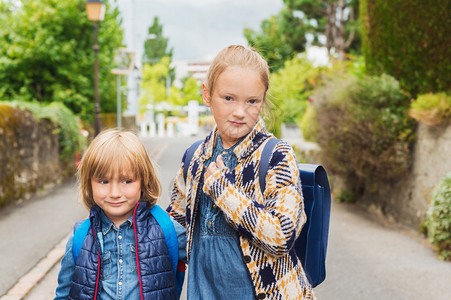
(438, 219)
(409, 40)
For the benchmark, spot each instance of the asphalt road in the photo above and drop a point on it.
(367, 258)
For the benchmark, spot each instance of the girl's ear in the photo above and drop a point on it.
(205, 95)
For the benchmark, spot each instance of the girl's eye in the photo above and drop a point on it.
(103, 181)
(127, 181)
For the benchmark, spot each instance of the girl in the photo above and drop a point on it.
(239, 241)
(124, 253)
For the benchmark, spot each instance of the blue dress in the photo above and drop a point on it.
(216, 269)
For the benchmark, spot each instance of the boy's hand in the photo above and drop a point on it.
(214, 166)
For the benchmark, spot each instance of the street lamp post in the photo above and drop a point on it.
(96, 11)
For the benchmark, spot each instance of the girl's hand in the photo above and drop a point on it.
(214, 166)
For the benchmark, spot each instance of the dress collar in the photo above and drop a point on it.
(243, 148)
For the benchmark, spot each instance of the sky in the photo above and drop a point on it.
(196, 29)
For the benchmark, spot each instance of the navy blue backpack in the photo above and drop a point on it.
(311, 245)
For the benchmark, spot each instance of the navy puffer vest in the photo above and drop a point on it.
(157, 278)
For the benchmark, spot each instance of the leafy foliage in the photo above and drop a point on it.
(46, 54)
(438, 219)
(68, 126)
(279, 38)
(364, 129)
(431, 109)
(154, 88)
(336, 20)
(409, 40)
(289, 92)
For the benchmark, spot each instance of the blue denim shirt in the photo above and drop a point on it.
(119, 274)
(216, 269)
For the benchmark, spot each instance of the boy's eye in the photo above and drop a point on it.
(228, 98)
(252, 101)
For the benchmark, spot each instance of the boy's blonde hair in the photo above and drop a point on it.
(122, 152)
(237, 56)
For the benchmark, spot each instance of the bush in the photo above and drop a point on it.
(68, 127)
(364, 129)
(438, 219)
(431, 109)
(308, 124)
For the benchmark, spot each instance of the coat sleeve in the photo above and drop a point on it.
(66, 272)
(273, 221)
(177, 206)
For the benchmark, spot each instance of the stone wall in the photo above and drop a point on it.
(29, 155)
(407, 200)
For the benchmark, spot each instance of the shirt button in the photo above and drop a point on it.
(247, 259)
(214, 206)
(224, 152)
(120, 283)
(120, 261)
(261, 296)
(209, 223)
(120, 237)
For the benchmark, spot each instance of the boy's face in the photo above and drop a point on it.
(236, 103)
(116, 195)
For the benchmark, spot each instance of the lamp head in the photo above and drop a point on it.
(95, 10)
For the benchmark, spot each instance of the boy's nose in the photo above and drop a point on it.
(115, 191)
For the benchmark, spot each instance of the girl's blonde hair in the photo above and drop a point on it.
(120, 152)
(237, 56)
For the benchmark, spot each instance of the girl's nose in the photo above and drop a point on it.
(239, 110)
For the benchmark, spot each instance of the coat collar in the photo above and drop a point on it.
(246, 147)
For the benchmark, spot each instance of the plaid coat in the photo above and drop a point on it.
(268, 224)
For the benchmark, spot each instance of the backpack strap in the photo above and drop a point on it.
(170, 236)
(188, 156)
(264, 162)
(80, 231)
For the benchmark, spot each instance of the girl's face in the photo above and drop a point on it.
(235, 102)
(116, 195)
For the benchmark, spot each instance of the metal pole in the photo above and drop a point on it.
(118, 87)
(96, 82)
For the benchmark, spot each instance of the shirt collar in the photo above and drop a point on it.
(108, 225)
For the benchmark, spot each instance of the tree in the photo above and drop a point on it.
(290, 89)
(334, 19)
(153, 83)
(156, 45)
(191, 90)
(279, 39)
(46, 54)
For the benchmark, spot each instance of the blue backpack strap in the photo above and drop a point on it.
(170, 236)
(80, 231)
(264, 162)
(189, 156)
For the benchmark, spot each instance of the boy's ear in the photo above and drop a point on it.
(205, 95)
